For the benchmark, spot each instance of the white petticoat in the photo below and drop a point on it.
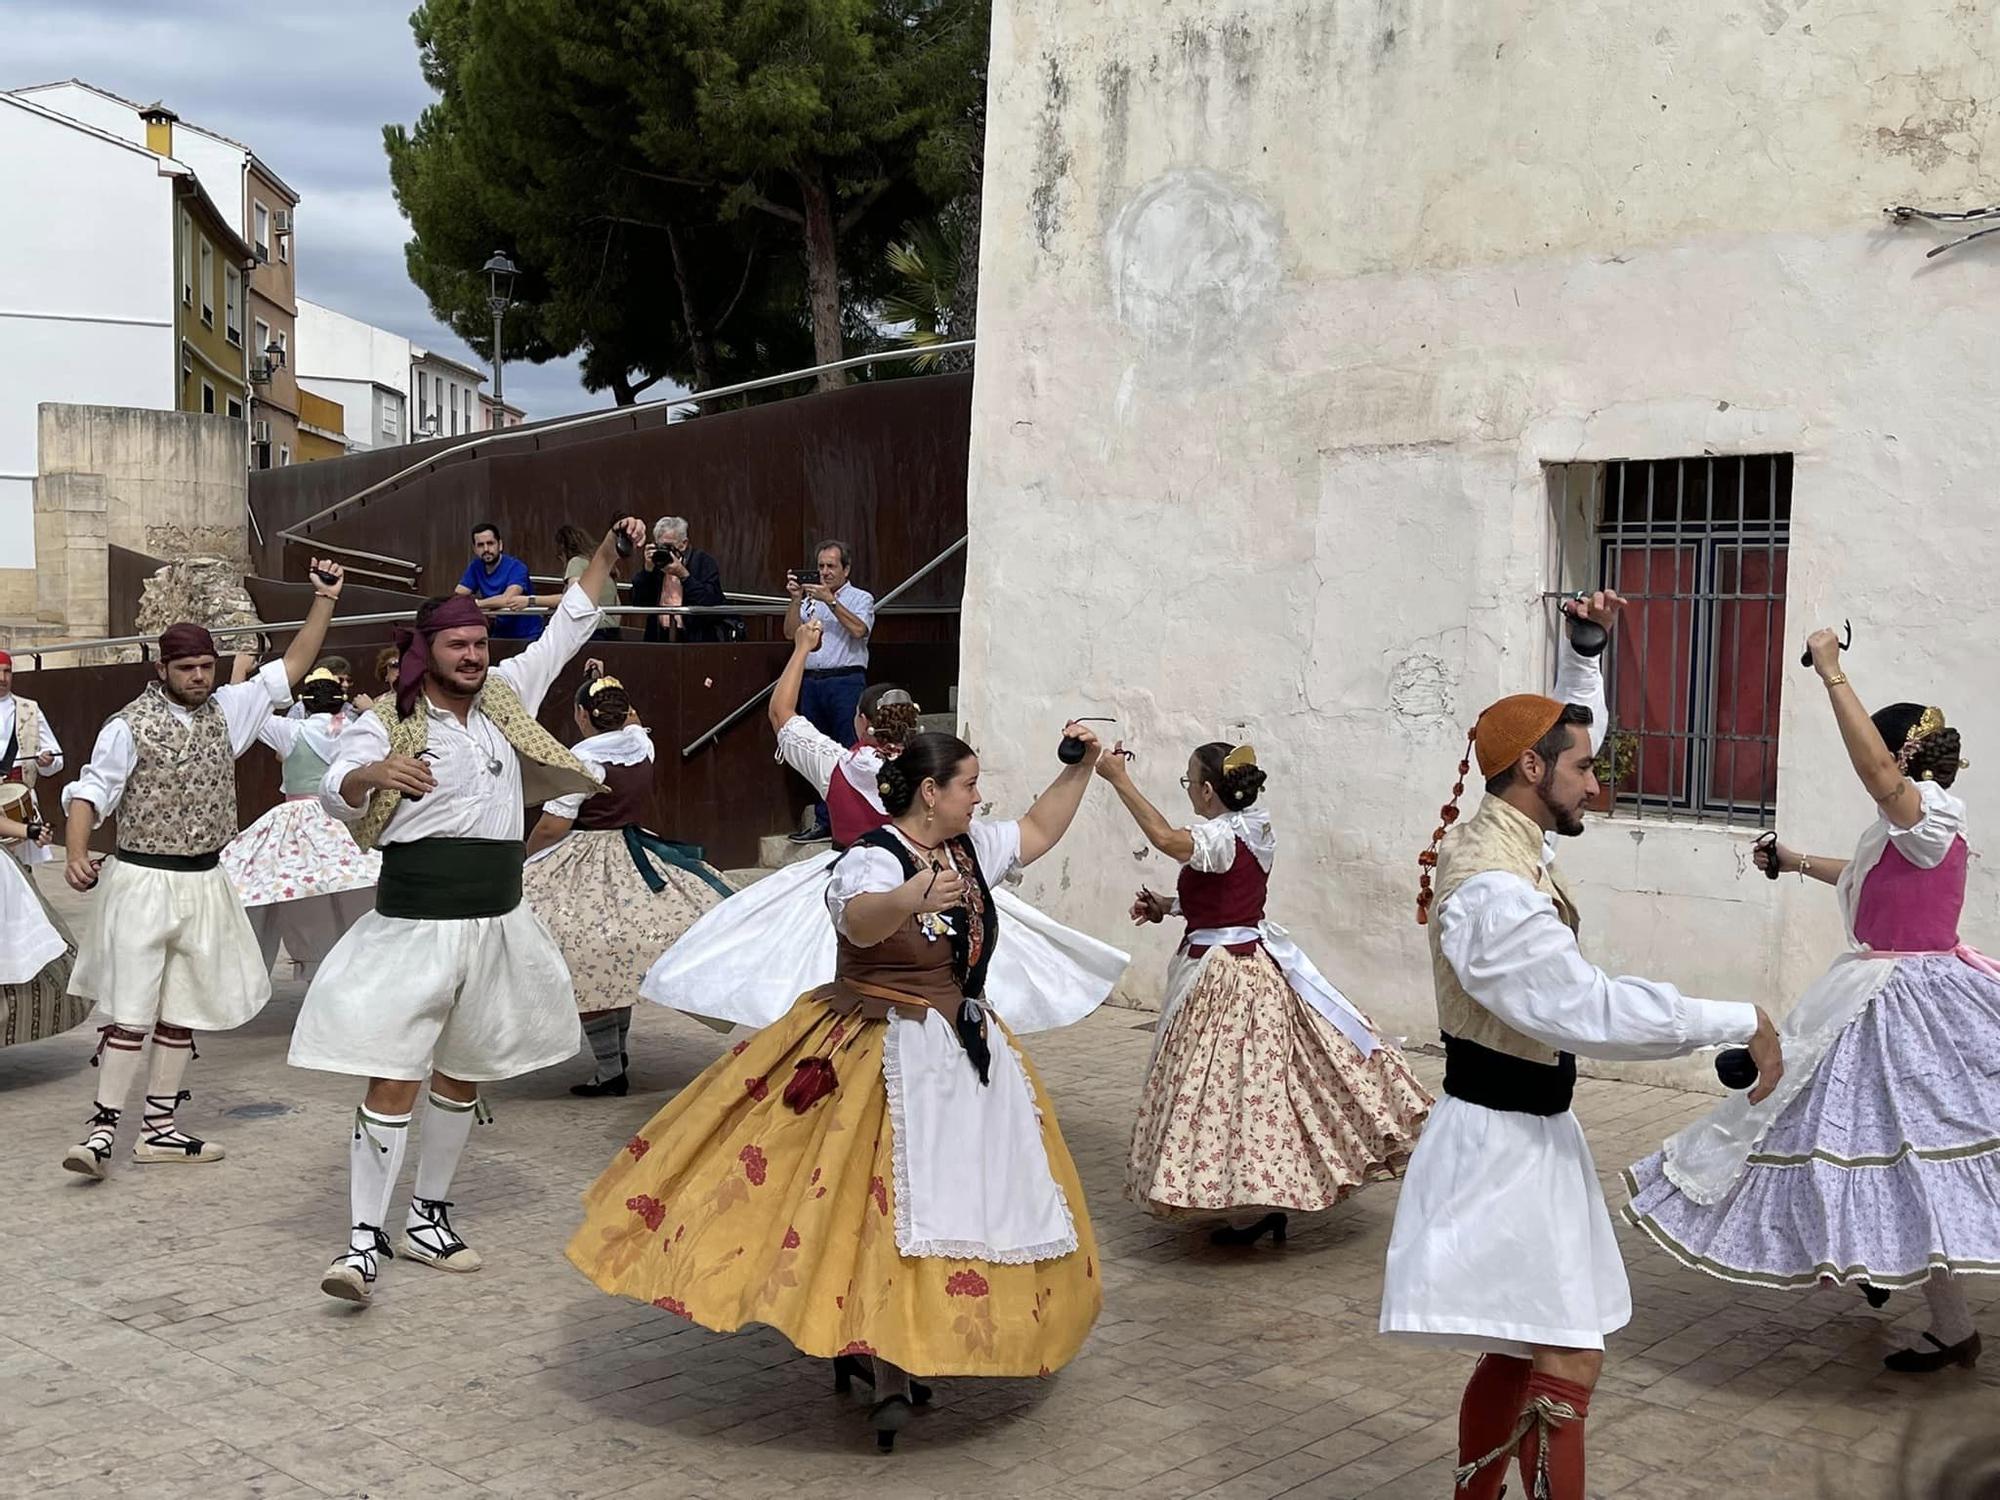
(478, 998)
(1502, 1240)
(29, 941)
(171, 946)
(748, 960)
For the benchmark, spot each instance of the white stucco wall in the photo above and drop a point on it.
(86, 291)
(1282, 308)
(333, 346)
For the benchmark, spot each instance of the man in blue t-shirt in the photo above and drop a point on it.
(501, 584)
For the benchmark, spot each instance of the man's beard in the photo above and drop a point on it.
(1568, 823)
(167, 687)
(451, 687)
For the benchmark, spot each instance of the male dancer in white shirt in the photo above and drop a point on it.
(1502, 1244)
(451, 977)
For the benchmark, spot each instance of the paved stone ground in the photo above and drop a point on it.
(163, 1335)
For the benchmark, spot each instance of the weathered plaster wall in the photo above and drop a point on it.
(1283, 308)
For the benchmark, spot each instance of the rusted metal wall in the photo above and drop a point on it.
(725, 798)
(880, 465)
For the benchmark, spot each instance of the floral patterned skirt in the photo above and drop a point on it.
(608, 923)
(1255, 1101)
(295, 851)
(730, 1208)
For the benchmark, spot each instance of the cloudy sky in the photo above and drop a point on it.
(309, 91)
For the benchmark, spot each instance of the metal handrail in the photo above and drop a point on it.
(391, 617)
(885, 603)
(666, 404)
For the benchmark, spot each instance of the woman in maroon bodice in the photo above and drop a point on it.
(1268, 1089)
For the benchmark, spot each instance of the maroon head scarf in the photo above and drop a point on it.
(413, 646)
(184, 640)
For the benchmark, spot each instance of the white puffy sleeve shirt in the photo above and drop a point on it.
(865, 870)
(1515, 956)
(1927, 841)
(246, 709)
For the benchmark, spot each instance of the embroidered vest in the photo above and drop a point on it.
(940, 970)
(1496, 837)
(181, 797)
(548, 770)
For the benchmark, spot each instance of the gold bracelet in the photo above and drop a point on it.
(1836, 680)
(1805, 868)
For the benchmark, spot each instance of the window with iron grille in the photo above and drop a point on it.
(1698, 547)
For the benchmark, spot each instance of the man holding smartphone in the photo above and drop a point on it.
(838, 670)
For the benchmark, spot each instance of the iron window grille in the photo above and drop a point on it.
(1699, 548)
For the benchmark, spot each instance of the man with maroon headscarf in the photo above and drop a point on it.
(451, 977)
(169, 949)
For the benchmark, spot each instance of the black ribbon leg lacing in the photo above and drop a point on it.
(103, 1132)
(435, 1234)
(365, 1261)
(168, 1136)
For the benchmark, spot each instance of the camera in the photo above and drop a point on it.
(807, 577)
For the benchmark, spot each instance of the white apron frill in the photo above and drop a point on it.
(1311, 986)
(748, 960)
(972, 1175)
(1502, 1240)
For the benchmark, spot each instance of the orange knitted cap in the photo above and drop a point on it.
(1508, 730)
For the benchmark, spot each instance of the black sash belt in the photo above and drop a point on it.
(1495, 1080)
(183, 862)
(450, 880)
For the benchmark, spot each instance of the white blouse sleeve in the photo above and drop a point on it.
(568, 807)
(1214, 846)
(862, 871)
(997, 845)
(812, 754)
(281, 734)
(1580, 680)
(1515, 956)
(1927, 841)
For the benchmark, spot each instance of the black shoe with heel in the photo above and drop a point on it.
(1272, 1224)
(1877, 1296)
(612, 1088)
(888, 1417)
(848, 1368)
(1938, 1357)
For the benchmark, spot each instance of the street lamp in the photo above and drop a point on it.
(500, 274)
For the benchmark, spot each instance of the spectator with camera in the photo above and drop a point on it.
(837, 670)
(677, 573)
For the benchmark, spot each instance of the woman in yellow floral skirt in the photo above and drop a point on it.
(878, 1176)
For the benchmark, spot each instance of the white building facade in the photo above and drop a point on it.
(1321, 346)
(364, 368)
(445, 395)
(87, 293)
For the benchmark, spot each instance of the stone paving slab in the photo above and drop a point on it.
(163, 1334)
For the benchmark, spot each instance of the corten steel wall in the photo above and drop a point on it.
(725, 798)
(880, 465)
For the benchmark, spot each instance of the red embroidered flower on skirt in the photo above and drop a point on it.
(673, 1305)
(879, 1191)
(651, 1209)
(754, 1165)
(791, 1239)
(755, 1088)
(737, 1050)
(638, 1146)
(859, 1346)
(966, 1284)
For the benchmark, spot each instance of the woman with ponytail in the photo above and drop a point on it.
(608, 888)
(747, 961)
(1267, 1089)
(878, 1176)
(1876, 1159)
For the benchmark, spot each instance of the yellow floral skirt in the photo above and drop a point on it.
(730, 1208)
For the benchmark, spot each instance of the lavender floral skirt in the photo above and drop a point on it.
(1885, 1166)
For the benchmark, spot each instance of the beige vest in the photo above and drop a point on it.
(547, 768)
(181, 798)
(27, 739)
(1496, 837)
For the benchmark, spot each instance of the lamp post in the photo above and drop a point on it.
(500, 274)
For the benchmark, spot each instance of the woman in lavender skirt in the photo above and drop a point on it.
(1877, 1159)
